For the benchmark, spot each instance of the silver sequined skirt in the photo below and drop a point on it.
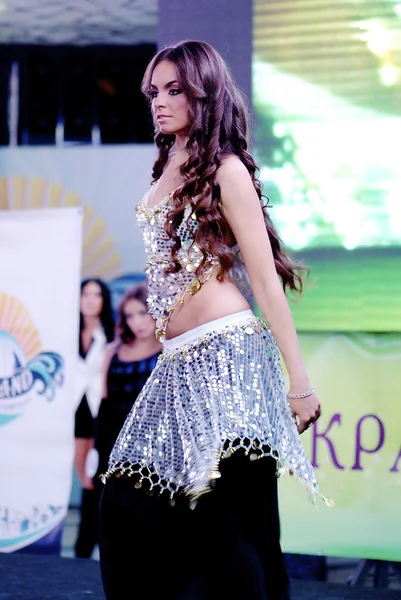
(215, 389)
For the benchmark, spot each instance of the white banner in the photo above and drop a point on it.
(107, 182)
(40, 268)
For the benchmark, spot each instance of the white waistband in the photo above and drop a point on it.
(216, 325)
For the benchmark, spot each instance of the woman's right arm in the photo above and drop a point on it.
(243, 212)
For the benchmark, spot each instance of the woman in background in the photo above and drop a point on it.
(129, 362)
(96, 330)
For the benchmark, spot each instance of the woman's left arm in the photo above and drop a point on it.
(242, 209)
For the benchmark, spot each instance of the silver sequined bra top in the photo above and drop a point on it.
(167, 291)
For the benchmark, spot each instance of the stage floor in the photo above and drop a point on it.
(24, 577)
(339, 570)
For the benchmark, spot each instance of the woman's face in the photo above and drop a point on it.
(170, 106)
(91, 300)
(139, 321)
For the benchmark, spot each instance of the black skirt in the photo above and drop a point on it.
(226, 548)
(84, 422)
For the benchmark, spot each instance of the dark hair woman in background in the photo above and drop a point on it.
(96, 329)
(127, 365)
(129, 362)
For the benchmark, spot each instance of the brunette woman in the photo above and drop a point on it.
(215, 415)
(96, 330)
(129, 362)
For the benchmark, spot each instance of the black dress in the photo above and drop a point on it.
(84, 421)
(125, 380)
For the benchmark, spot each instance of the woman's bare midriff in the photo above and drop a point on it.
(214, 300)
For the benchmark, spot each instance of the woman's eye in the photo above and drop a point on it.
(175, 91)
(152, 95)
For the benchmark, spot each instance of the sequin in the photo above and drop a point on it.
(170, 289)
(199, 407)
(213, 395)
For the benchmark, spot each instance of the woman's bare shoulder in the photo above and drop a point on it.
(235, 182)
(230, 167)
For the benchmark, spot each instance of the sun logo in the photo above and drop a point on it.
(26, 371)
(100, 257)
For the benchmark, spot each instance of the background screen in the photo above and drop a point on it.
(327, 102)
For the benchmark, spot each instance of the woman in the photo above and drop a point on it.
(217, 391)
(129, 362)
(96, 330)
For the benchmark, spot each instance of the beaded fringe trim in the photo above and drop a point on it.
(204, 401)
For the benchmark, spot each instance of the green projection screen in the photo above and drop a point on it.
(327, 136)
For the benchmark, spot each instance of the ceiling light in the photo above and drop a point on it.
(389, 75)
(375, 35)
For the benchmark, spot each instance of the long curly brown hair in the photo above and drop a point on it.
(219, 128)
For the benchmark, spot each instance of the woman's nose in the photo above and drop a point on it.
(160, 101)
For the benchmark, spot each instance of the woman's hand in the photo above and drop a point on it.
(305, 411)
